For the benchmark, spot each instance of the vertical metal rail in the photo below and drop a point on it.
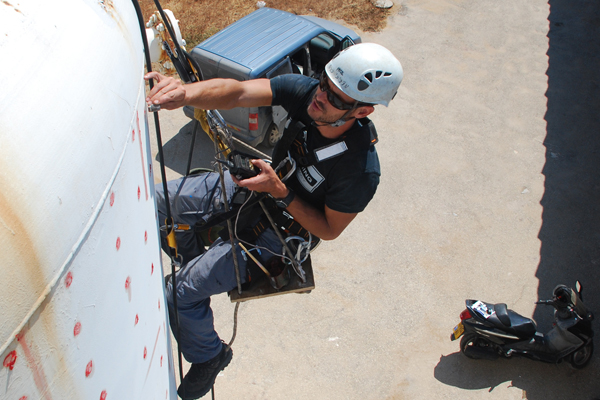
(226, 203)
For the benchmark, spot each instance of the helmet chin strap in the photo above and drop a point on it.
(335, 124)
(340, 121)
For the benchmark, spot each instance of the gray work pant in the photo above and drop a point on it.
(204, 275)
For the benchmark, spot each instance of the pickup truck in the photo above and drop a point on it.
(264, 44)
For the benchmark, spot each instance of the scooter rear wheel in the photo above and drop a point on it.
(476, 347)
(582, 357)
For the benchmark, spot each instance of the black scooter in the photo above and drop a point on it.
(491, 330)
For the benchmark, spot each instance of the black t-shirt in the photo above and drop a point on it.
(345, 183)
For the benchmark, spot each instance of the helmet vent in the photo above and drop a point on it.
(362, 85)
(369, 77)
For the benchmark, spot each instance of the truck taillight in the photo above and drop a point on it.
(253, 122)
(465, 315)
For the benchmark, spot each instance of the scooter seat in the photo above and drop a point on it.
(512, 322)
(500, 317)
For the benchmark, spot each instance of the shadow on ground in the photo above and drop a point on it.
(570, 231)
(177, 149)
(537, 380)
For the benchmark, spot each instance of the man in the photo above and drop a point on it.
(337, 175)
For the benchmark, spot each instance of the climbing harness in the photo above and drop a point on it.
(295, 136)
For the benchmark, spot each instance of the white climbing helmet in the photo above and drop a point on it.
(367, 72)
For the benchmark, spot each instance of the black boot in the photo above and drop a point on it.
(201, 377)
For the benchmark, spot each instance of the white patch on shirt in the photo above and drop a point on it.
(330, 151)
(310, 178)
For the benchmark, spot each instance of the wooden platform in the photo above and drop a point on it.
(262, 288)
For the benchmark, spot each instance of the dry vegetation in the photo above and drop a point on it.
(199, 19)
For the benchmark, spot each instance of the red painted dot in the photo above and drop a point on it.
(77, 329)
(137, 319)
(145, 352)
(161, 357)
(23, 398)
(118, 243)
(68, 279)
(88, 369)
(112, 198)
(133, 135)
(103, 395)
(10, 360)
(127, 283)
(152, 270)
(139, 193)
(159, 304)
(146, 236)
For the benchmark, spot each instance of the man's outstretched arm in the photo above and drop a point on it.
(212, 94)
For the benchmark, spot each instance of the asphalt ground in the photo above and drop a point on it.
(490, 190)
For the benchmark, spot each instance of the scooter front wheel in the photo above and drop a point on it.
(476, 347)
(582, 356)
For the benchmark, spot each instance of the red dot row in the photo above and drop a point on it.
(119, 240)
(69, 278)
(139, 193)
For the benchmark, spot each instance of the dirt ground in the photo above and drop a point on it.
(489, 190)
(200, 19)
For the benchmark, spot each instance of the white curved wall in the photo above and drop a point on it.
(82, 301)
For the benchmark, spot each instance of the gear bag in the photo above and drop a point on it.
(194, 198)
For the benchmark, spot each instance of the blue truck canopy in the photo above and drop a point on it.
(261, 38)
(264, 44)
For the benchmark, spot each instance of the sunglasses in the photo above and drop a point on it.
(333, 98)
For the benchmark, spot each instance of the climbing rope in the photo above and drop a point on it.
(169, 220)
(189, 72)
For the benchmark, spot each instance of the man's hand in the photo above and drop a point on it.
(326, 224)
(212, 94)
(266, 181)
(168, 92)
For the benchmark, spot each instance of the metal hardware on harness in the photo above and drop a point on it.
(217, 123)
(209, 124)
(281, 166)
(303, 247)
(297, 267)
(171, 240)
(176, 228)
